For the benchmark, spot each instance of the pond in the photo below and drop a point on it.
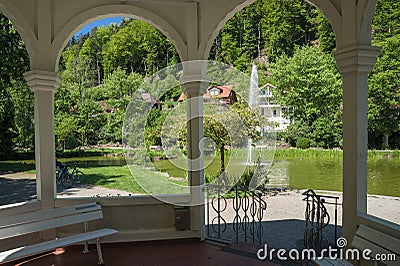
(297, 173)
(304, 173)
(326, 174)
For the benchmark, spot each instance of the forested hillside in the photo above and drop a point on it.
(290, 41)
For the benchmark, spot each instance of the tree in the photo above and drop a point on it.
(23, 99)
(386, 21)
(90, 119)
(285, 25)
(93, 47)
(324, 32)
(13, 63)
(78, 76)
(384, 91)
(138, 47)
(66, 129)
(7, 121)
(311, 86)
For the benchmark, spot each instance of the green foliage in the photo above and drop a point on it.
(384, 92)
(6, 121)
(303, 143)
(13, 63)
(324, 31)
(386, 21)
(265, 28)
(296, 131)
(326, 132)
(311, 86)
(138, 47)
(154, 124)
(22, 98)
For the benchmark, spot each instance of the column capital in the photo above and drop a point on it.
(359, 59)
(40, 80)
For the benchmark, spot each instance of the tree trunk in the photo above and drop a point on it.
(98, 70)
(222, 156)
(386, 141)
(259, 40)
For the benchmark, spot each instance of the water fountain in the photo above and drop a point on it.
(253, 103)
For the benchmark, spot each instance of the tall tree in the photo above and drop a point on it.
(384, 91)
(310, 85)
(386, 21)
(93, 47)
(13, 63)
(138, 47)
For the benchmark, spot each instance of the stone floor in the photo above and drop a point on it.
(190, 252)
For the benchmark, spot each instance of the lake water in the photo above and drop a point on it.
(326, 174)
(308, 173)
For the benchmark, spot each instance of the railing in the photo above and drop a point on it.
(317, 219)
(237, 218)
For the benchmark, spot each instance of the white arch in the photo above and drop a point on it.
(219, 23)
(367, 9)
(87, 16)
(332, 14)
(22, 27)
(327, 8)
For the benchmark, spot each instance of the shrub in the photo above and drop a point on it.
(303, 143)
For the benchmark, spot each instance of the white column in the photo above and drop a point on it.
(44, 84)
(194, 111)
(195, 83)
(355, 63)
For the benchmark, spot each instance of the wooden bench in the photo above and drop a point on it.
(31, 222)
(379, 243)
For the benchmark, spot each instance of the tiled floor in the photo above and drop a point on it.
(183, 252)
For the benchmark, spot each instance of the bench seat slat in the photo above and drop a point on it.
(29, 217)
(37, 226)
(362, 244)
(376, 237)
(53, 244)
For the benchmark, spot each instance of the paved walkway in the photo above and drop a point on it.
(283, 222)
(20, 187)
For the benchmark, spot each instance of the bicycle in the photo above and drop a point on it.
(63, 177)
(78, 175)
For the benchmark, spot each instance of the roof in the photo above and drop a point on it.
(224, 92)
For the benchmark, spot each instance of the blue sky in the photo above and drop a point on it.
(101, 22)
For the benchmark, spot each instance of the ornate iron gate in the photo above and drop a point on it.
(234, 217)
(317, 219)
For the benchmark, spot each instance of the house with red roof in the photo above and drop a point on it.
(222, 93)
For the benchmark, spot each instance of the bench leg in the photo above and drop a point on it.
(86, 247)
(86, 244)
(101, 261)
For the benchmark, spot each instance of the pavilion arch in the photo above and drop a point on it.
(364, 9)
(90, 15)
(328, 8)
(22, 27)
(219, 23)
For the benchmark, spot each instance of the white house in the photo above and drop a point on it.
(274, 112)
